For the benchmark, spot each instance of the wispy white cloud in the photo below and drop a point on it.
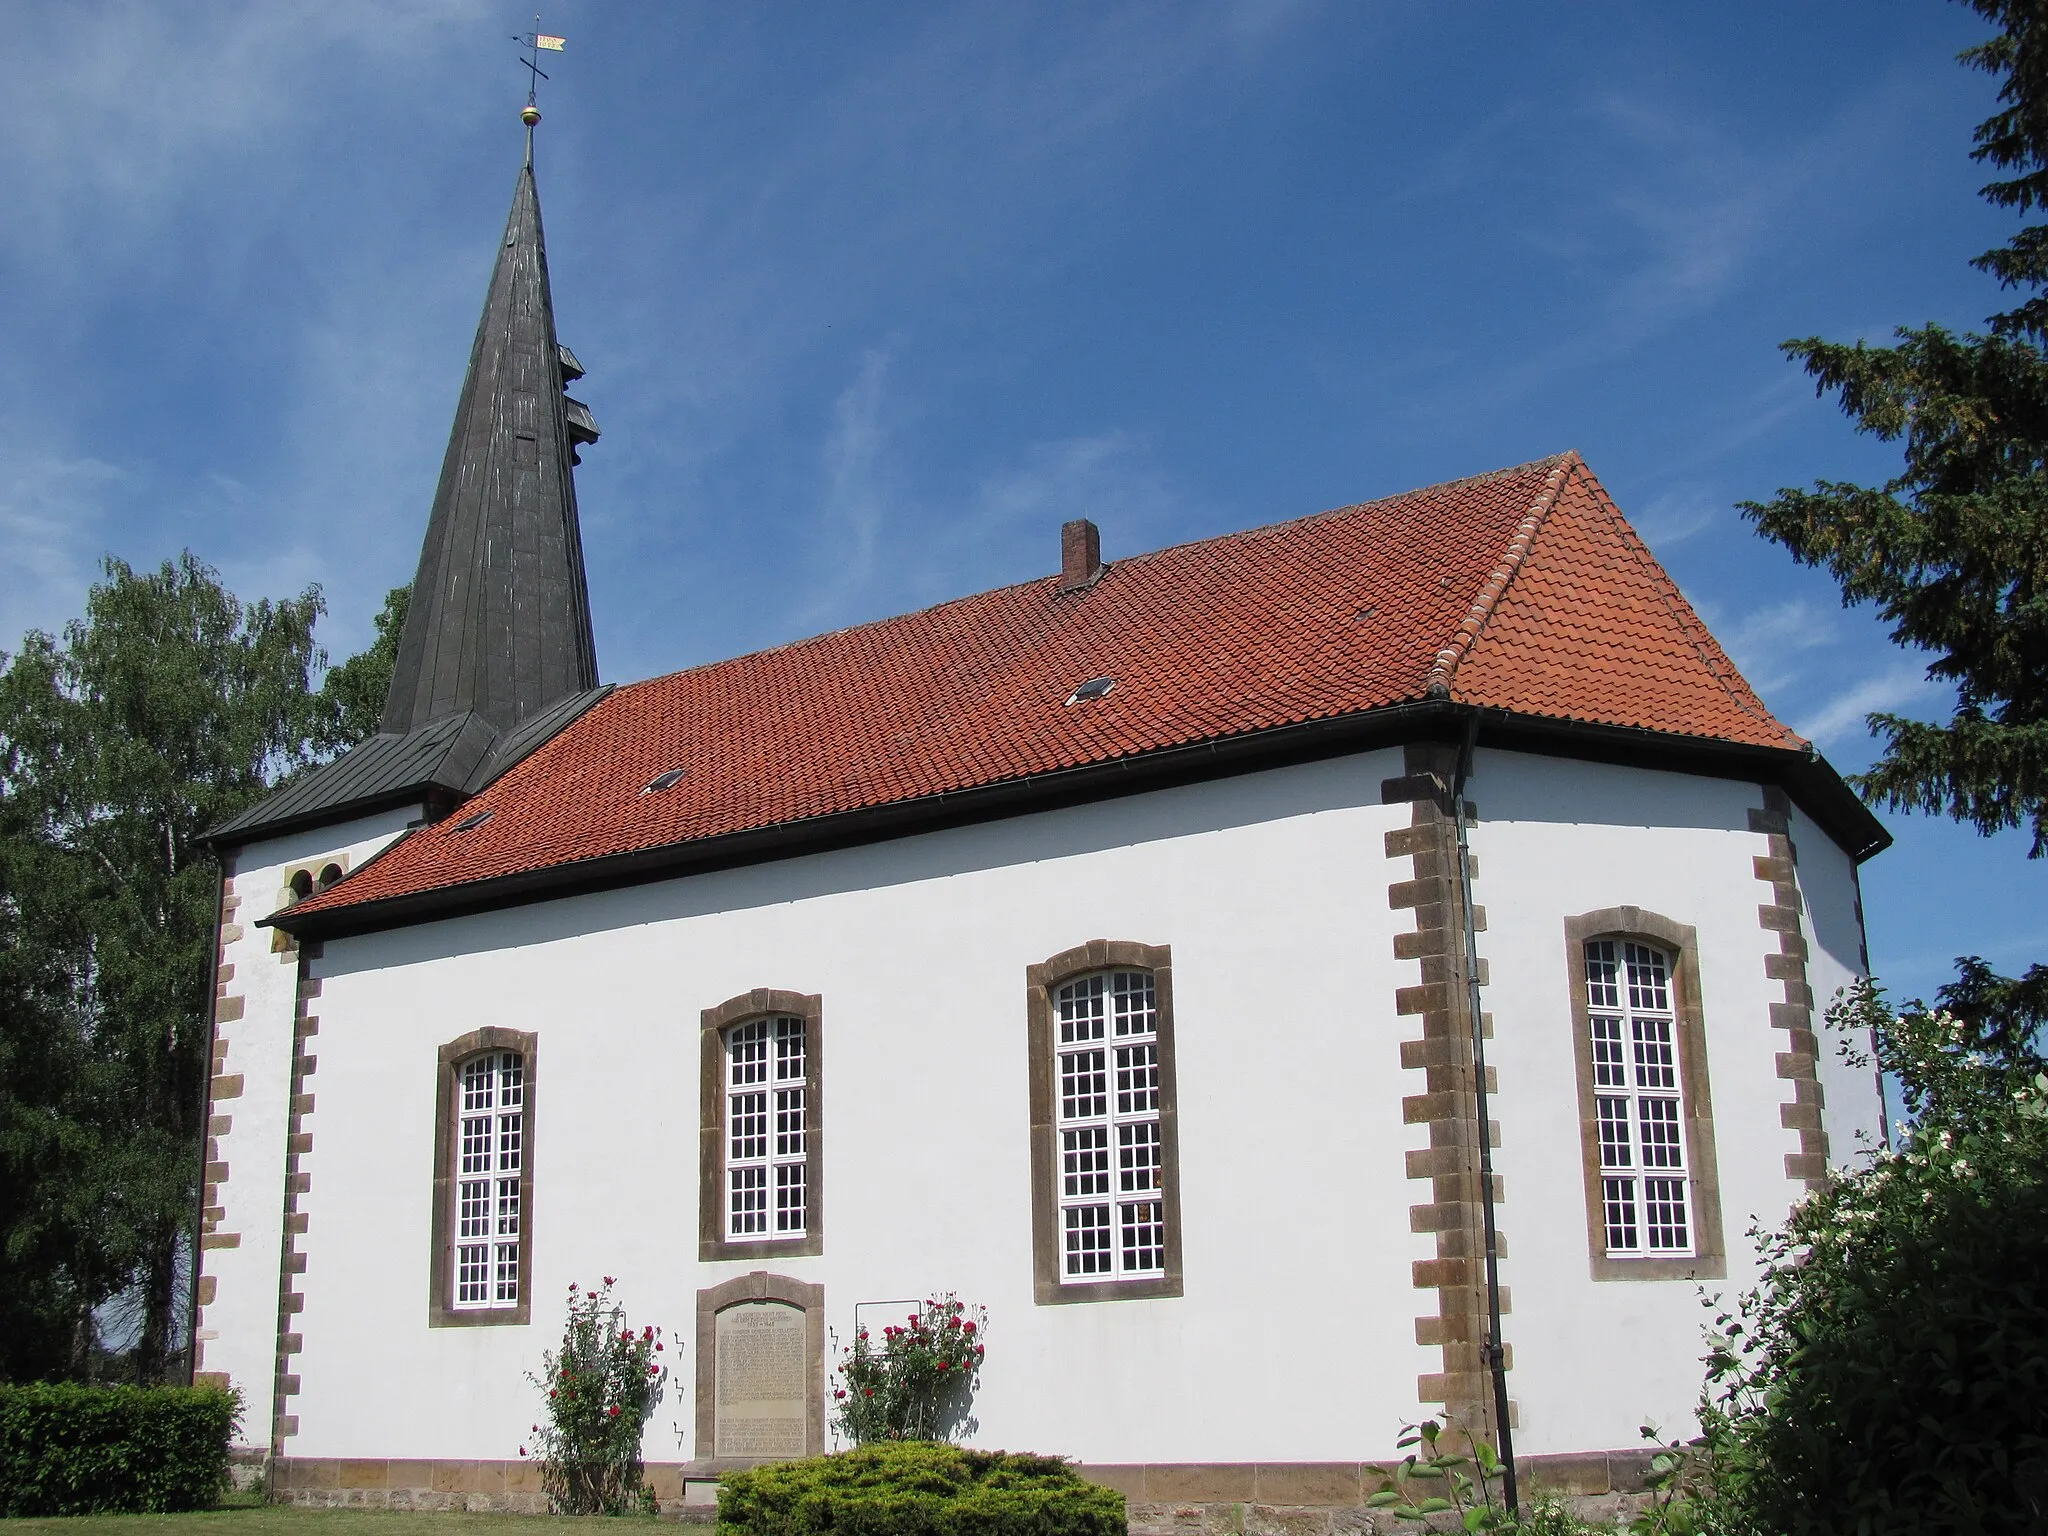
(1841, 718)
(1109, 478)
(1786, 396)
(166, 175)
(53, 512)
(943, 538)
(1773, 644)
(117, 113)
(972, 134)
(1708, 209)
(857, 496)
(1681, 212)
(1676, 513)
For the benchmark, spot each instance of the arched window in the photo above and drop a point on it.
(298, 885)
(761, 1177)
(483, 1179)
(1104, 1124)
(1652, 1192)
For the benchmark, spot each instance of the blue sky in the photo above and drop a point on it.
(873, 297)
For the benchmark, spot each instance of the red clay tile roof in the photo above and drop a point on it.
(1524, 590)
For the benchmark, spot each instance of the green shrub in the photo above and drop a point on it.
(1888, 1374)
(918, 1489)
(71, 1450)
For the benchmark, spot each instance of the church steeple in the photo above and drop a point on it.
(497, 654)
(500, 620)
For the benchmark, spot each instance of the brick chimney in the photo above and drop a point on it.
(1080, 555)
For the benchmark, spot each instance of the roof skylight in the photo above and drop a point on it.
(471, 823)
(664, 780)
(1094, 688)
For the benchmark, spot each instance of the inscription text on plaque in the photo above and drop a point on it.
(763, 1399)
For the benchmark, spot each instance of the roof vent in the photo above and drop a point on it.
(664, 780)
(1094, 688)
(471, 823)
(1080, 555)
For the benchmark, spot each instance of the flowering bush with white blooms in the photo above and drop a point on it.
(917, 1381)
(1890, 1371)
(601, 1386)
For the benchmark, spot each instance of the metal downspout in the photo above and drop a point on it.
(1495, 1355)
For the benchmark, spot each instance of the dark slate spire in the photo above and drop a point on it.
(496, 657)
(500, 619)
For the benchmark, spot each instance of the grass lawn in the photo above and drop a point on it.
(286, 1520)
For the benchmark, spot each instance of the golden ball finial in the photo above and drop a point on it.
(529, 115)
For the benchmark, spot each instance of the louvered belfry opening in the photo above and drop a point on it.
(500, 619)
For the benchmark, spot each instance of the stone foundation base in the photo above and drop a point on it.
(415, 1498)
(248, 1467)
(472, 1487)
(1335, 1520)
(478, 1487)
(1296, 1498)
(1279, 1498)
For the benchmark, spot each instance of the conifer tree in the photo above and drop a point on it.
(1954, 549)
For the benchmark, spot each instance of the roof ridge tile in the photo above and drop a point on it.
(1507, 472)
(1443, 670)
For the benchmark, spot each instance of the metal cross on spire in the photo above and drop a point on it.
(534, 42)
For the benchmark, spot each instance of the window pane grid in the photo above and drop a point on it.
(490, 1150)
(1112, 1219)
(1645, 1195)
(1610, 1067)
(767, 1104)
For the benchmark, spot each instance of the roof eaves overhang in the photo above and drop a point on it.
(227, 839)
(1801, 772)
(436, 792)
(1805, 776)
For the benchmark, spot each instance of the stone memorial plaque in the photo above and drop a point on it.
(760, 1370)
(763, 1396)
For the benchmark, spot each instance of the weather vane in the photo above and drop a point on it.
(533, 42)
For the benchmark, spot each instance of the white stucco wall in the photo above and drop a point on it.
(238, 1326)
(1834, 936)
(1593, 1359)
(1294, 1340)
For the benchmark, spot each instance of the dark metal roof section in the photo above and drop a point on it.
(497, 654)
(440, 764)
(500, 617)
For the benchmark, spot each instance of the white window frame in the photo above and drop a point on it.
(766, 1129)
(489, 1153)
(1639, 1097)
(1109, 1136)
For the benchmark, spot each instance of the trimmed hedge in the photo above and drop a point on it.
(917, 1488)
(70, 1450)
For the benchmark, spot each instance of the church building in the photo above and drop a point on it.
(1198, 959)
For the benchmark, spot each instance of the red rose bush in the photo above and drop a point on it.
(917, 1381)
(601, 1386)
